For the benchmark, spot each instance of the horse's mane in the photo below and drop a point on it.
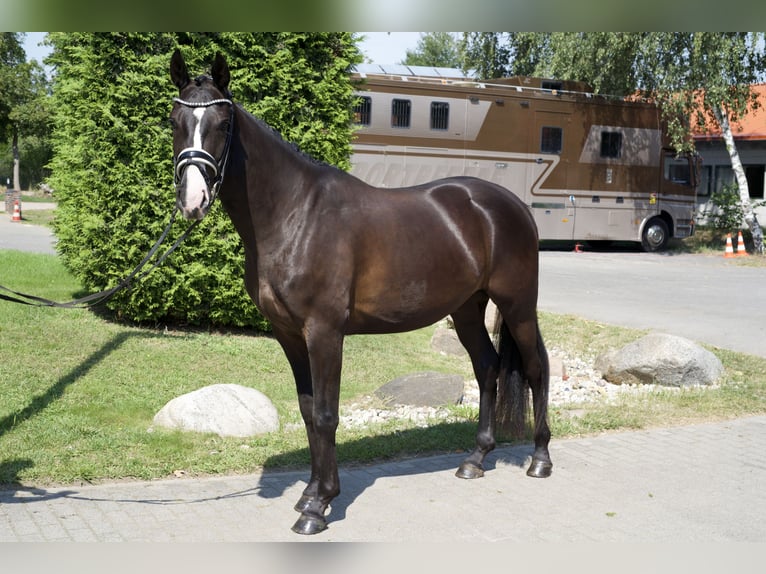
(293, 147)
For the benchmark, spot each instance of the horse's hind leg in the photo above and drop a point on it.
(541, 465)
(472, 332)
(525, 334)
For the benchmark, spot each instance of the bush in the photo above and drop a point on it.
(727, 213)
(112, 165)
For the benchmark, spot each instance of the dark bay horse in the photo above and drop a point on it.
(327, 255)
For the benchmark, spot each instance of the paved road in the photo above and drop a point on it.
(707, 299)
(23, 236)
(698, 483)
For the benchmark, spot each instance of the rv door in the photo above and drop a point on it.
(549, 197)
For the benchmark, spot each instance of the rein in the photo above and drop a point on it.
(103, 296)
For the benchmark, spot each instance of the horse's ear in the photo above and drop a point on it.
(178, 72)
(220, 72)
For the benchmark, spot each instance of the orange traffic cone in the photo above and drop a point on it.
(741, 251)
(729, 249)
(16, 211)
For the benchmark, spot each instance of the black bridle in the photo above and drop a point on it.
(189, 156)
(200, 158)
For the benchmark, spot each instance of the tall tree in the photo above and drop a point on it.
(23, 98)
(488, 54)
(112, 166)
(499, 54)
(604, 60)
(440, 49)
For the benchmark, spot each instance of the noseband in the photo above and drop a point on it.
(200, 158)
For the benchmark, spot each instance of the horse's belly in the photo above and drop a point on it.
(410, 305)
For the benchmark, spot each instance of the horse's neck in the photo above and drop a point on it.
(268, 178)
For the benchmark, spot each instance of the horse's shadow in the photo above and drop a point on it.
(355, 478)
(275, 481)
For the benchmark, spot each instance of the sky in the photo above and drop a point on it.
(388, 47)
(33, 51)
(378, 47)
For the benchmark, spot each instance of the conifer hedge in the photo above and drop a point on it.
(112, 167)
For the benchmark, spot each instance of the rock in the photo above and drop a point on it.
(426, 389)
(556, 367)
(444, 340)
(489, 317)
(661, 359)
(226, 410)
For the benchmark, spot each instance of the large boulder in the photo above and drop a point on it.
(660, 359)
(225, 409)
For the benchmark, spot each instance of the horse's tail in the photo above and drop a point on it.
(511, 411)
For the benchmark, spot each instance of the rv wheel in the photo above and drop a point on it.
(655, 236)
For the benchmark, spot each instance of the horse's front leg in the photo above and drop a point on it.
(325, 348)
(306, 404)
(297, 354)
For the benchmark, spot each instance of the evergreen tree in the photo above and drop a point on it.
(112, 167)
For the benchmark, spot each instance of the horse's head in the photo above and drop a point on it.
(202, 119)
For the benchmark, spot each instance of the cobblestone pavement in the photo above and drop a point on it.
(696, 483)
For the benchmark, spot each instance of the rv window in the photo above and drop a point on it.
(611, 144)
(677, 169)
(551, 85)
(363, 111)
(550, 139)
(400, 113)
(439, 115)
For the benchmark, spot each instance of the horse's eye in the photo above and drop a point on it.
(172, 123)
(224, 126)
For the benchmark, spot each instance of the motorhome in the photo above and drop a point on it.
(590, 168)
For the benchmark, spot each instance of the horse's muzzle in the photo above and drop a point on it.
(193, 212)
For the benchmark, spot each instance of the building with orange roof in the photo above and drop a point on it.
(750, 138)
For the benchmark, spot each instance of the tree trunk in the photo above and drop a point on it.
(16, 161)
(739, 173)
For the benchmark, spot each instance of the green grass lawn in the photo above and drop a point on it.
(78, 392)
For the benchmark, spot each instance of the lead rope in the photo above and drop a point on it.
(103, 296)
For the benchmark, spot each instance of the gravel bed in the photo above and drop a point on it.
(581, 385)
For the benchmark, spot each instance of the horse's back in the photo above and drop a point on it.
(420, 252)
(507, 216)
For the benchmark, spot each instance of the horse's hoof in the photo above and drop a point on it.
(540, 469)
(469, 470)
(308, 524)
(303, 503)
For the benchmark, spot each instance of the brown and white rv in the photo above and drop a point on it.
(590, 168)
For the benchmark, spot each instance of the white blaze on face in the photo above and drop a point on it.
(196, 191)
